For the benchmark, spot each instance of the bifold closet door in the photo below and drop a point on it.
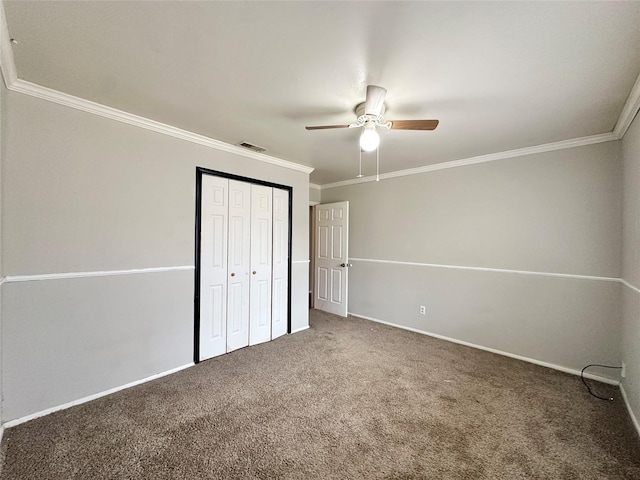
(280, 281)
(261, 254)
(244, 265)
(213, 266)
(225, 260)
(239, 261)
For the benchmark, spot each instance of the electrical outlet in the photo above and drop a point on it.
(423, 310)
(623, 371)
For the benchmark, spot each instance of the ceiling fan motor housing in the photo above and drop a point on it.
(363, 118)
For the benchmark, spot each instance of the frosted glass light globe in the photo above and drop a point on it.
(369, 140)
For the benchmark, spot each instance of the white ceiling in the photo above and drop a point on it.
(498, 75)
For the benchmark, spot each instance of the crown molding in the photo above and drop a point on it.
(44, 93)
(519, 152)
(8, 68)
(13, 83)
(629, 111)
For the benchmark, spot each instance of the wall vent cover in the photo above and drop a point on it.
(250, 146)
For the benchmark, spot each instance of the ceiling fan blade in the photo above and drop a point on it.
(414, 124)
(375, 100)
(324, 127)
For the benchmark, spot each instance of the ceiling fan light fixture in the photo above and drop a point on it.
(369, 140)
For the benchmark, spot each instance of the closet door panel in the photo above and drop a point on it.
(261, 268)
(213, 266)
(239, 260)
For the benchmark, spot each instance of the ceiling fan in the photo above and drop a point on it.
(370, 115)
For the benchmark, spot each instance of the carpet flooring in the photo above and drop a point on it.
(346, 399)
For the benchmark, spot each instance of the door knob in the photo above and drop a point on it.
(254, 272)
(346, 265)
(233, 274)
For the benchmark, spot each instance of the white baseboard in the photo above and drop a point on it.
(300, 329)
(493, 350)
(1, 434)
(631, 414)
(18, 421)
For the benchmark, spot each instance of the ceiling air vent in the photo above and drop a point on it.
(252, 147)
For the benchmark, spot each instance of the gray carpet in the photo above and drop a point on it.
(345, 399)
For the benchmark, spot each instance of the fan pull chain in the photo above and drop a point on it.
(378, 164)
(360, 175)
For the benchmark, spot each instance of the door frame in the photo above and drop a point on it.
(200, 171)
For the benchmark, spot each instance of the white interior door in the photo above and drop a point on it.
(280, 284)
(331, 258)
(261, 254)
(239, 264)
(213, 266)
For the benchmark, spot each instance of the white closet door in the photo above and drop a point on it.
(239, 260)
(261, 252)
(280, 284)
(213, 266)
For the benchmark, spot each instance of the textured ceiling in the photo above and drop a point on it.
(498, 76)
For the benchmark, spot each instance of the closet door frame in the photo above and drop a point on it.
(200, 171)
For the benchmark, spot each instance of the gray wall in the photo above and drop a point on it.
(3, 123)
(82, 193)
(314, 195)
(552, 213)
(631, 266)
